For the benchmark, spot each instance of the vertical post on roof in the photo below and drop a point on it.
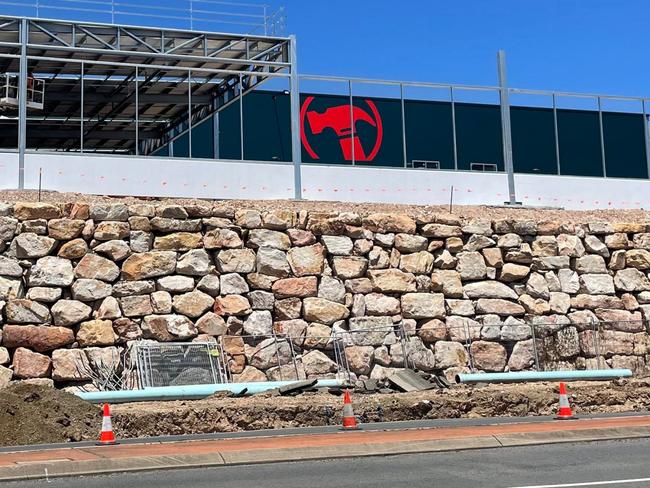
(296, 146)
(137, 111)
(81, 108)
(22, 104)
(646, 135)
(505, 127)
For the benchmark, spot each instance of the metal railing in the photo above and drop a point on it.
(250, 18)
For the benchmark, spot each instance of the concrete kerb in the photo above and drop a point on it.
(63, 468)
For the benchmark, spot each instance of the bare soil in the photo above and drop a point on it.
(32, 414)
(466, 211)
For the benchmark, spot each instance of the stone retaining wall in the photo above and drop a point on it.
(78, 282)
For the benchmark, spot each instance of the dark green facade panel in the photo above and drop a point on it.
(624, 145)
(478, 135)
(579, 138)
(533, 140)
(327, 136)
(429, 133)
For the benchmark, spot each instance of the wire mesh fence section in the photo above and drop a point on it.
(178, 364)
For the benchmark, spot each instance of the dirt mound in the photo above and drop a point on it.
(31, 414)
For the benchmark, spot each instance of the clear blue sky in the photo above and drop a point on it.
(574, 45)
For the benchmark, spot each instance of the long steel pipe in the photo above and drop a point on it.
(524, 376)
(190, 392)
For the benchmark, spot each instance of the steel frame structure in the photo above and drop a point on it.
(130, 89)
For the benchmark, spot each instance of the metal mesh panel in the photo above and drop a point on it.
(177, 364)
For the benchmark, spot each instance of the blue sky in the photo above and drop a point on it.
(574, 45)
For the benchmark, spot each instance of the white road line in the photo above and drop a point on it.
(590, 483)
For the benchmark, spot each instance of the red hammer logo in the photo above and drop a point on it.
(342, 120)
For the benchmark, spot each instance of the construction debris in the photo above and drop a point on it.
(408, 380)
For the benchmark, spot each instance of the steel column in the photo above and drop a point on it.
(189, 113)
(557, 138)
(646, 136)
(352, 126)
(22, 103)
(137, 111)
(602, 136)
(453, 125)
(505, 127)
(241, 118)
(81, 109)
(401, 97)
(296, 145)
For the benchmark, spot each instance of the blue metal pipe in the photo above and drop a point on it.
(190, 392)
(523, 376)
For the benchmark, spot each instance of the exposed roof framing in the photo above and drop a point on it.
(117, 59)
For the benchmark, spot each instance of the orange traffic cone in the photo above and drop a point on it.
(106, 437)
(349, 421)
(564, 413)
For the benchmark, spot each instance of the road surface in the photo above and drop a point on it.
(624, 463)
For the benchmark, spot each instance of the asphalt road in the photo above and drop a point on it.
(612, 464)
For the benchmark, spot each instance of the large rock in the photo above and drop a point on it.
(317, 363)
(296, 287)
(70, 365)
(23, 311)
(96, 267)
(441, 231)
(115, 250)
(408, 243)
(570, 245)
(39, 338)
(590, 263)
(392, 281)
(331, 289)
(178, 241)
(222, 239)
(258, 238)
(88, 290)
(175, 284)
(193, 304)
(513, 272)
(597, 284)
(259, 323)
(10, 267)
(136, 306)
(359, 359)
(488, 356)
(423, 305)
(489, 289)
(36, 210)
(107, 211)
(272, 262)
(270, 352)
(96, 333)
(324, 311)
(74, 249)
(236, 261)
(168, 328)
(389, 222)
(307, 260)
(379, 304)
(450, 355)
(432, 331)
(569, 281)
(44, 294)
(471, 266)
(371, 331)
(638, 258)
(417, 263)
(28, 364)
(70, 312)
(233, 284)
(522, 356)
(631, 279)
(448, 282)
(338, 245)
(142, 266)
(498, 306)
(29, 245)
(11, 288)
(232, 305)
(109, 309)
(108, 231)
(194, 263)
(211, 324)
(349, 267)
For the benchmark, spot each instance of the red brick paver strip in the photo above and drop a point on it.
(311, 440)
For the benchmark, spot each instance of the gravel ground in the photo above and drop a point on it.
(465, 211)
